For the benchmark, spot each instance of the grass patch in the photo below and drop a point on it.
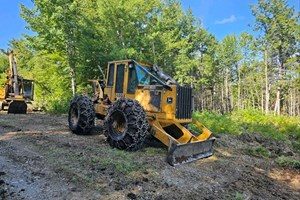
(123, 161)
(83, 168)
(234, 196)
(154, 151)
(296, 145)
(252, 121)
(288, 162)
(238, 196)
(257, 151)
(68, 163)
(217, 123)
(277, 127)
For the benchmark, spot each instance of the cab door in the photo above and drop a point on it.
(110, 85)
(120, 73)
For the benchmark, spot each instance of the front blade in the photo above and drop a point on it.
(184, 153)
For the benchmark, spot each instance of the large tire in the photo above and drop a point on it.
(81, 115)
(17, 107)
(126, 125)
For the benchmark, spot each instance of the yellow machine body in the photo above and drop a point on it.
(168, 108)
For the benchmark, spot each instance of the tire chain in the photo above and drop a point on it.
(136, 116)
(86, 114)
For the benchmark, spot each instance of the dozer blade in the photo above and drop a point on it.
(184, 153)
(17, 107)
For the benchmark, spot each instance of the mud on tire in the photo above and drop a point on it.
(81, 115)
(126, 125)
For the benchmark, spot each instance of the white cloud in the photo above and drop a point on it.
(230, 19)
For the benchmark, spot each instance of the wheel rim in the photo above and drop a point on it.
(117, 125)
(74, 115)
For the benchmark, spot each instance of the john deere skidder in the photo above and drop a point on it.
(135, 100)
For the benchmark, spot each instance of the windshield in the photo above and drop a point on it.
(149, 74)
(143, 77)
(139, 74)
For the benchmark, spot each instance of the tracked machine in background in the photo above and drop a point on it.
(17, 91)
(138, 99)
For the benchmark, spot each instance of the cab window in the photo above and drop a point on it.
(120, 78)
(111, 72)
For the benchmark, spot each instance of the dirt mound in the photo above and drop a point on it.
(275, 147)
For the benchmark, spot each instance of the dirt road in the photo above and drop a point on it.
(41, 159)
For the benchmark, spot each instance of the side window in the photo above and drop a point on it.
(28, 89)
(111, 72)
(132, 79)
(120, 78)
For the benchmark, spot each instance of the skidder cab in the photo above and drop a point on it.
(135, 100)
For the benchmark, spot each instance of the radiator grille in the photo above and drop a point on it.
(184, 105)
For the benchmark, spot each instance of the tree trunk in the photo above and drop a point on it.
(267, 84)
(262, 101)
(278, 93)
(72, 63)
(277, 102)
(252, 99)
(239, 90)
(222, 100)
(227, 95)
(212, 98)
(73, 79)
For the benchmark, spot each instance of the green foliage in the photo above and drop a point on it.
(278, 127)
(229, 54)
(251, 121)
(89, 33)
(279, 25)
(2, 79)
(257, 151)
(288, 162)
(296, 142)
(4, 63)
(58, 105)
(217, 123)
(52, 83)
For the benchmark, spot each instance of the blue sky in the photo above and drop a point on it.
(219, 17)
(222, 17)
(12, 24)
